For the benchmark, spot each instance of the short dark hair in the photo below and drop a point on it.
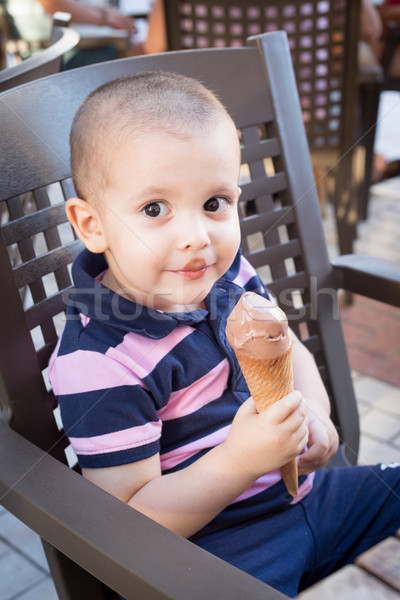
(135, 104)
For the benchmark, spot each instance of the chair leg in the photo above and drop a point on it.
(369, 104)
(345, 203)
(71, 581)
(321, 181)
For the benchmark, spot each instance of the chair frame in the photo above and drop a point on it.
(101, 540)
(46, 62)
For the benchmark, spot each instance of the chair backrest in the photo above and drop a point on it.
(323, 37)
(284, 239)
(45, 62)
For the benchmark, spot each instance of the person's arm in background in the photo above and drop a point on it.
(157, 37)
(90, 14)
(371, 28)
(156, 40)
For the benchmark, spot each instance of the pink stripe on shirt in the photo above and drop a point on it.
(246, 272)
(118, 440)
(260, 485)
(305, 488)
(142, 354)
(136, 356)
(270, 479)
(86, 371)
(206, 389)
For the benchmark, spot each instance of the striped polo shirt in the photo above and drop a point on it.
(133, 381)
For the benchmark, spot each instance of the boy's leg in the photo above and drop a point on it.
(350, 510)
(275, 548)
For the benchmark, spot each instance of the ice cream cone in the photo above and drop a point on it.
(258, 332)
(268, 381)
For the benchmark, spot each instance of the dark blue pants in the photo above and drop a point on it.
(349, 510)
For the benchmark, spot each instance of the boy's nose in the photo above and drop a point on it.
(193, 233)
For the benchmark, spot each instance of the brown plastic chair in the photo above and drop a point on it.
(89, 536)
(323, 38)
(47, 61)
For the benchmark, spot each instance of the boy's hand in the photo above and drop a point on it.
(260, 443)
(323, 443)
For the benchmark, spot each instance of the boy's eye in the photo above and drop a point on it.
(216, 204)
(155, 209)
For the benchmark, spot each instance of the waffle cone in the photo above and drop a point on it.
(268, 381)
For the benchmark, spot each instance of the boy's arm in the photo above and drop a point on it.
(185, 501)
(323, 439)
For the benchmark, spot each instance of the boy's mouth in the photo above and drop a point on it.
(194, 269)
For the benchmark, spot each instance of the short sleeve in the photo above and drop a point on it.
(107, 412)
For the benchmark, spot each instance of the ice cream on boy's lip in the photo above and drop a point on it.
(257, 327)
(194, 269)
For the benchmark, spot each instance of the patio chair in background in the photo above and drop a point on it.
(323, 38)
(90, 537)
(28, 28)
(47, 61)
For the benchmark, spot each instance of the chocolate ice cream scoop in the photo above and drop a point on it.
(257, 327)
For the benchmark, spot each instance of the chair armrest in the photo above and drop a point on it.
(375, 278)
(121, 547)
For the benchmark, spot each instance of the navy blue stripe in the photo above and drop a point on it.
(205, 421)
(254, 285)
(105, 411)
(122, 457)
(185, 364)
(96, 336)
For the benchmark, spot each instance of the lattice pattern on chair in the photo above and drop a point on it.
(40, 257)
(316, 36)
(41, 246)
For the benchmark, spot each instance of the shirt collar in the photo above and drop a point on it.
(94, 300)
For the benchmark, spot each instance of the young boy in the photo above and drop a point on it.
(151, 394)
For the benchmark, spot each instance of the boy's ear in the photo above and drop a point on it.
(86, 222)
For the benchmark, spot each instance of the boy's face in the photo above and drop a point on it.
(170, 217)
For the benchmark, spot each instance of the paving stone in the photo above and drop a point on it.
(44, 590)
(17, 575)
(380, 425)
(373, 452)
(23, 539)
(371, 390)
